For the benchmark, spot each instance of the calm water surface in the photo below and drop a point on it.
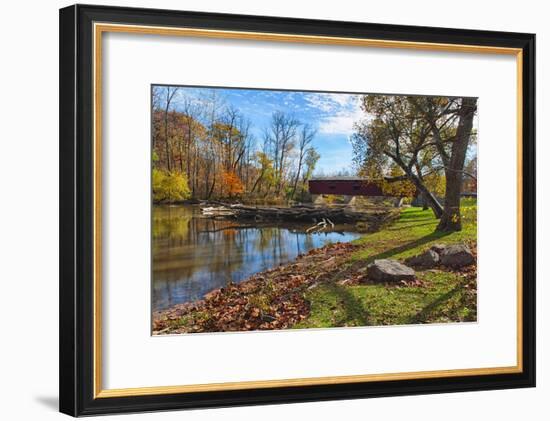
(194, 255)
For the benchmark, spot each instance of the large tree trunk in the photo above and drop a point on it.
(451, 219)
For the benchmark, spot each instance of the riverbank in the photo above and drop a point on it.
(328, 287)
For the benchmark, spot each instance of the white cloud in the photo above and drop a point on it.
(343, 116)
(329, 102)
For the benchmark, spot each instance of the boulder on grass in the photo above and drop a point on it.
(456, 256)
(428, 259)
(438, 248)
(388, 270)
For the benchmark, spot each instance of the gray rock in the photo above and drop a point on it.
(457, 255)
(427, 259)
(438, 248)
(388, 270)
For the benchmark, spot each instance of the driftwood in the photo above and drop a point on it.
(320, 216)
(320, 226)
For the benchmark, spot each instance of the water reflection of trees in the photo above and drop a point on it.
(193, 255)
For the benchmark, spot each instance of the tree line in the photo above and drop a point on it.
(204, 148)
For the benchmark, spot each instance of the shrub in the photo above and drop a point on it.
(169, 187)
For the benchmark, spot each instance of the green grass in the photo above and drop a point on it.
(414, 232)
(445, 295)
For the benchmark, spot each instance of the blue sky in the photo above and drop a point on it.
(331, 114)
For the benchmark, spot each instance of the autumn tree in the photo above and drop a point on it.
(232, 183)
(266, 175)
(310, 161)
(211, 151)
(402, 188)
(279, 141)
(192, 129)
(196, 134)
(470, 172)
(394, 134)
(423, 136)
(170, 93)
(454, 166)
(451, 123)
(169, 187)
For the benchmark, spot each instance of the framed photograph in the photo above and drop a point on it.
(262, 210)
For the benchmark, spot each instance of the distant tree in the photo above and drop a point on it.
(170, 93)
(266, 174)
(305, 138)
(310, 160)
(191, 112)
(197, 134)
(280, 140)
(470, 179)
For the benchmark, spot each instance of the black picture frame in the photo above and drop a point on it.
(76, 291)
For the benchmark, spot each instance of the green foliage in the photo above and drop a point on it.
(169, 186)
(267, 173)
(310, 160)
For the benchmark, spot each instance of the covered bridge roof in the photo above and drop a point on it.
(351, 186)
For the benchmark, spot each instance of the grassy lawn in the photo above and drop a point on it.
(440, 296)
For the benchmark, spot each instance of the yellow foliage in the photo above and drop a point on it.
(403, 188)
(169, 187)
(435, 183)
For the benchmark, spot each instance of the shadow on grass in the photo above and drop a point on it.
(408, 246)
(415, 218)
(410, 226)
(351, 305)
(423, 315)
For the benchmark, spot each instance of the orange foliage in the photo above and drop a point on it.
(232, 184)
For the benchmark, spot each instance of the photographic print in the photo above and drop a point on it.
(281, 209)
(277, 208)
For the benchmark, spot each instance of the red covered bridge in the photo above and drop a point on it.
(347, 186)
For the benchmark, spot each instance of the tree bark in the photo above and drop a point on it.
(451, 219)
(428, 196)
(297, 176)
(419, 184)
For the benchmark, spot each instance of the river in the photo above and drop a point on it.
(194, 255)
